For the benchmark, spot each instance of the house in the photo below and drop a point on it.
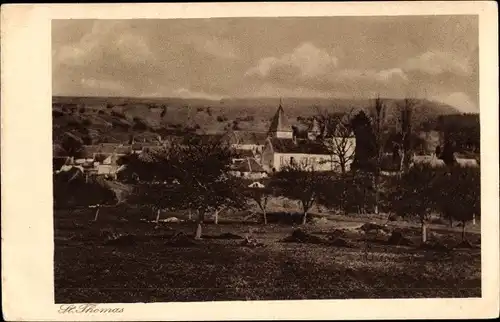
(284, 147)
(248, 169)
(103, 150)
(429, 160)
(246, 140)
(241, 155)
(466, 162)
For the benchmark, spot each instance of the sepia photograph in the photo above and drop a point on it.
(266, 158)
(241, 161)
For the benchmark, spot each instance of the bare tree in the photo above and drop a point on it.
(406, 129)
(341, 143)
(379, 118)
(338, 137)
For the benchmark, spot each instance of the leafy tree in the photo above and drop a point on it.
(202, 167)
(197, 170)
(261, 197)
(334, 192)
(365, 150)
(156, 196)
(416, 194)
(301, 182)
(72, 189)
(460, 197)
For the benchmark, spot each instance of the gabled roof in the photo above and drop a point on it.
(247, 165)
(300, 146)
(243, 153)
(105, 149)
(246, 137)
(279, 123)
(430, 160)
(314, 127)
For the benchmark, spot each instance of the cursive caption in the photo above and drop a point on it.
(87, 308)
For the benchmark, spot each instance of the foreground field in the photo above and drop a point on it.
(120, 259)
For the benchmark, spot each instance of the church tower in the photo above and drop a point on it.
(314, 130)
(280, 128)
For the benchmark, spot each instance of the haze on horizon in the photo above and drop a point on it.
(432, 57)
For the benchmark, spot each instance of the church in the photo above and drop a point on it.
(284, 146)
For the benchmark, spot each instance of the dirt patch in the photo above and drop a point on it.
(398, 239)
(435, 246)
(395, 218)
(288, 218)
(371, 227)
(300, 236)
(252, 242)
(466, 245)
(181, 240)
(337, 233)
(321, 221)
(224, 236)
(122, 240)
(340, 242)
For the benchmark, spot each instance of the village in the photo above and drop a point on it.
(256, 154)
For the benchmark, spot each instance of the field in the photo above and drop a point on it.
(121, 258)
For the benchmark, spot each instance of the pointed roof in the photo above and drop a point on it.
(279, 123)
(314, 128)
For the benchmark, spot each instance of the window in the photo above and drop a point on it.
(292, 161)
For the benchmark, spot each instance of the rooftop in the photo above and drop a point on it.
(248, 165)
(246, 137)
(299, 146)
(279, 122)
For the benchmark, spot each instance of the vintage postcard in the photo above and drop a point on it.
(250, 161)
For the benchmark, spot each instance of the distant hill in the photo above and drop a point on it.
(114, 119)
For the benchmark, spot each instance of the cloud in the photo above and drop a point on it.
(214, 46)
(314, 69)
(133, 47)
(102, 38)
(105, 85)
(383, 76)
(459, 100)
(307, 59)
(187, 93)
(274, 90)
(437, 62)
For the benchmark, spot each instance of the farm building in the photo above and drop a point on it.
(245, 140)
(429, 160)
(248, 168)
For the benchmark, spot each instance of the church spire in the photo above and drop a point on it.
(280, 128)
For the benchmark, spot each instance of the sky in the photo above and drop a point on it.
(433, 57)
